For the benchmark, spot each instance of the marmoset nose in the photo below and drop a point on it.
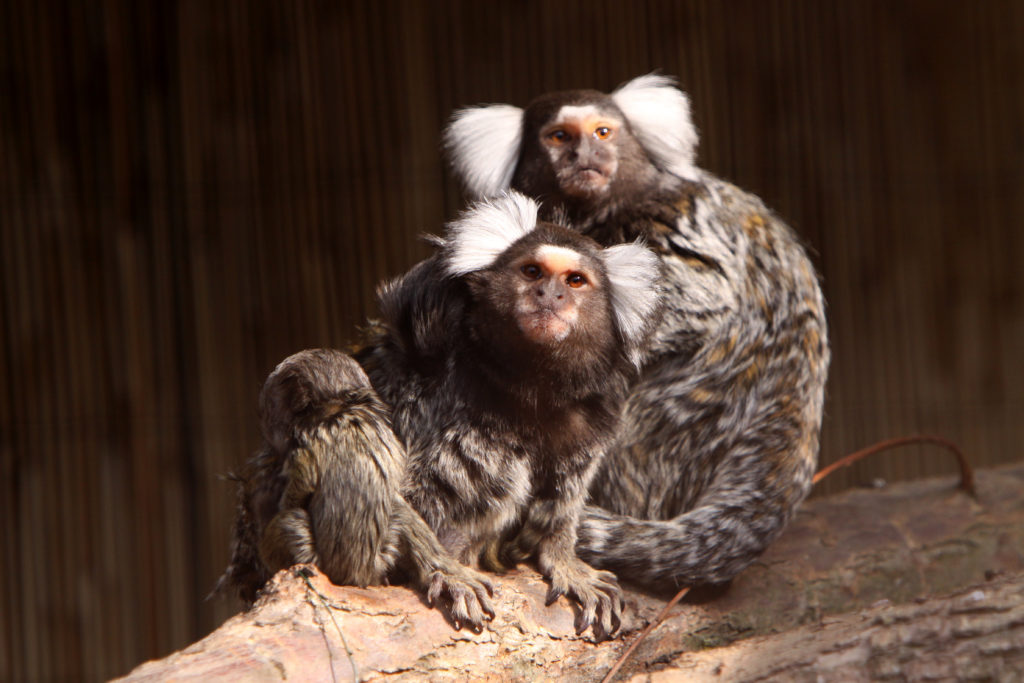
(550, 291)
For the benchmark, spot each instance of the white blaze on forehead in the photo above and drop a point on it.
(556, 259)
(583, 113)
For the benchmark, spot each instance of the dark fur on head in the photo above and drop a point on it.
(561, 374)
(536, 177)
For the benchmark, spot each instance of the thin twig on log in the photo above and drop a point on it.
(966, 473)
(643, 634)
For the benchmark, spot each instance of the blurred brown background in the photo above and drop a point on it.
(191, 191)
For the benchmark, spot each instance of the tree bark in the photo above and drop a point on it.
(976, 634)
(809, 607)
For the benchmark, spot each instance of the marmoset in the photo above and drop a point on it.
(325, 490)
(503, 362)
(718, 440)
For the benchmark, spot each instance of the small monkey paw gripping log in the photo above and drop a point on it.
(719, 437)
(475, 418)
(596, 591)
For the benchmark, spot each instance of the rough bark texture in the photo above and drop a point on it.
(900, 545)
(976, 634)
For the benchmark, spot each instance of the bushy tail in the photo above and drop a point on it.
(709, 544)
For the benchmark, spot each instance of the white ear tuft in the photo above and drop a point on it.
(633, 272)
(659, 114)
(487, 229)
(483, 146)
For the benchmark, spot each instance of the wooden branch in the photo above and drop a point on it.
(976, 634)
(839, 555)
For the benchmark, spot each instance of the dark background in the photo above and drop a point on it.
(191, 191)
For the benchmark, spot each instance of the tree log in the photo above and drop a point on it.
(842, 554)
(976, 634)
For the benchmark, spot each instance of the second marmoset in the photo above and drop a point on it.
(505, 361)
(492, 389)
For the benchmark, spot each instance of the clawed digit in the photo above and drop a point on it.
(467, 594)
(598, 594)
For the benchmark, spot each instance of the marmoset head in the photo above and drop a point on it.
(551, 284)
(578, 146)
(306, 387)
(543, 286)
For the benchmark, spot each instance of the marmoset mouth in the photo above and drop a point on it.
(543, 326)
(592, 174)
(586, 181)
